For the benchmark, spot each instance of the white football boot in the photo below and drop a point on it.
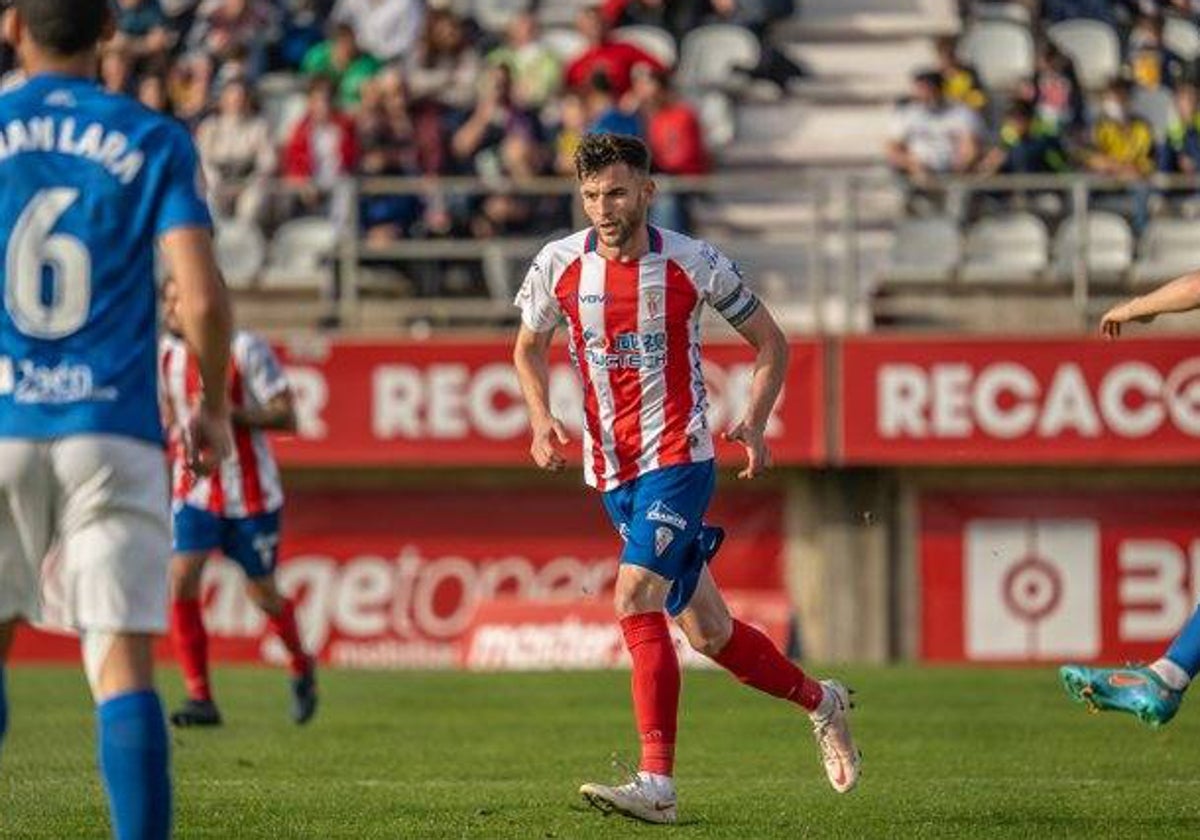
(832, 731)
(643, 798)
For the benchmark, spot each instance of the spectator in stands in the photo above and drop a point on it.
(340, 60)
(188, 83)
(142, 30)
(1122, 142)
(932, 136)
(1025, 146)
(676, 142)
(606, 114)
(572, 125)
(677, 17)
(444, 66)
(237, 154)
(386, 29)
(1055, 91)
(497, 118)
(152, 92)
(388, 148)
(1055, 11)
(612, 59)
(241, 30)
(321, 151)
(960, 82)
(1151, 63)
(116, 69)
(536, 71)
(1181, 152)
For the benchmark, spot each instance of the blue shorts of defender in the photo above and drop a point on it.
(660, 516)
(250, 541)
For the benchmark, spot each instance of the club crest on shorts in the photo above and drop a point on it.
(662, 538)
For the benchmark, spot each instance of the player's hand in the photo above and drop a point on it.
(758, 456)
(1110, 324)
(548, 436)
(207, 440)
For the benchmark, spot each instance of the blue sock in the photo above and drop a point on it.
(3, 707)
(1185, 650)
(131, 735)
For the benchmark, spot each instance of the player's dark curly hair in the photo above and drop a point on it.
(65, 27)
(598, 151)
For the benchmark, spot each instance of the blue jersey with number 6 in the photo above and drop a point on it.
(88, 183)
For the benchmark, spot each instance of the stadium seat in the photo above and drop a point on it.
(716, 118)
(657, 42)
(1002, 52)
(1094, 48)
(1109, 246)
(710, 52)
(925, 250)
(561, 12)
(1168, 248)
(494, 15)
(1003, 11)
(300, 253)
(1157, 107)
(241, 251)
(567, 44)
(1006, 248)
(1182, 37)
(283, 112)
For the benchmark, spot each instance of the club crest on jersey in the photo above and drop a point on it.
(659, 512)
(662, 539)
(654, 304)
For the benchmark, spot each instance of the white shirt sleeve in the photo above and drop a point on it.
(722, 286)
(899, 125)
(540, 311)
(261, 372)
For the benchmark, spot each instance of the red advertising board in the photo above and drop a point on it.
(1081, 577)
(1019, 401)
(438, 403)
(394, 578)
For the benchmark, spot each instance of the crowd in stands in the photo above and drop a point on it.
(951, 125)
(408, 87)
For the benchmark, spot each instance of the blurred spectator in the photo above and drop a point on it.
(1055, 11)
(496, 119)
(116, 69)
(676, 142)
(605, 112)
(1151, 63)
(152, 92)
(388, 148)
(386, 29)
(1055, 90)
(675, 16)
(536, 71)
(1181, 152)
(614, 60)
(235, 30)
(302, 28)
(322, 150)
(1025, 146)
(960, 82)
(237, 153)
(931, 136)
(142, 30)
(572, 125)
(340, 60)
(444, 66)
(188, 83)
(1122, 143)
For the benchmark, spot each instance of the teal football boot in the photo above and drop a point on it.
(1138, 691)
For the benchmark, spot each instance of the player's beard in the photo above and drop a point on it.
(623, 228)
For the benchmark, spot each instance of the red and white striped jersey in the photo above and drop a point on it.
(247, 483)
(634, 334)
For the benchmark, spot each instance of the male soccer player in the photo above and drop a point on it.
(88, 183)
(631, 297)
(235, 510)
(1151, 693)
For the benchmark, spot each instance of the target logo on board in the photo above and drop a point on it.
(1032, 588)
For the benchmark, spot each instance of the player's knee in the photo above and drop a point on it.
(265, 595)
(638, 593)
(186, 573)
(709, 639)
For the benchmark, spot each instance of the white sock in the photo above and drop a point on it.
(1170, 673)
(662, 785)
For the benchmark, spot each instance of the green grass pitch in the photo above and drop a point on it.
(948, 753)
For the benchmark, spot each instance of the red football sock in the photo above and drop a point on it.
(191, 646)
(655, 688)
(753, 659)
(284, 626)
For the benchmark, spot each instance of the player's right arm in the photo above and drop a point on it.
(1180, 295)
(206, 321)
(531, 357)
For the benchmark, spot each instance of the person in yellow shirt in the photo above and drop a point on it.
(1122, 142)
(960, 82)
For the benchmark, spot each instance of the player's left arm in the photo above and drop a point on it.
(770, 368)
(266, 381)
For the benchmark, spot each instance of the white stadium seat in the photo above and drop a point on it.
(301, 252)
(1109, 245)
(925, 249)
(710, 52)
(1008, 247)
(567, 44)
(1182, 37)
(1002, 52)
(241, 251)
(1092, 46)
(1168, 248)
(657, 42)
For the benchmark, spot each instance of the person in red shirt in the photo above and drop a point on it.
(322, 148)
(615, 59)
(676, 140)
